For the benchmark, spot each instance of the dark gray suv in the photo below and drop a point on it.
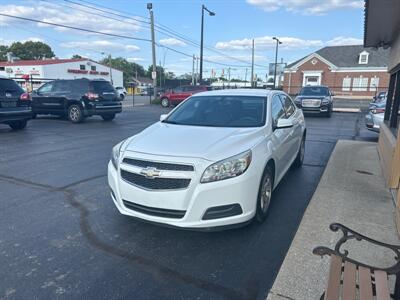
(315, 99)
(15, 104)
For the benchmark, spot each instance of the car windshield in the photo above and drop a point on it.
(314, 91)
(220, 111)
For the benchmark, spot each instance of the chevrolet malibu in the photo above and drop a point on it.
(212, 162)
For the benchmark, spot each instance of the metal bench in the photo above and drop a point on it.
(370, 282)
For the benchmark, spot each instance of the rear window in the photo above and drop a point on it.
(9, 85)
(101, 86)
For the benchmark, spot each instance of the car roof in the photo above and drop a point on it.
(237, 92)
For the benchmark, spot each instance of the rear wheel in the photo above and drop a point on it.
(75, 114)
(164, 102)
(108, 117)
(264, 195)
(18, 125)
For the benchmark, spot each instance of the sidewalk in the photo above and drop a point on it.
(351, 192)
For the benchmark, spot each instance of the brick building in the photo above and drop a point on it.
(347, 70)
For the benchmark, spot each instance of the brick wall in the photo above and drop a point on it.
(293, 82)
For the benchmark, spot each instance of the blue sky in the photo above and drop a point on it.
(303, 25)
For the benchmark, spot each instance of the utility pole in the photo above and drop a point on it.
(252, 65)
(229, 75)
(109, 64)
(197, 71)
(245, 77)
(194, 58)
(203, 8)
(278, 42)
(153, 48)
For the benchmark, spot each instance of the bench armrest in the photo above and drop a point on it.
(349, 234)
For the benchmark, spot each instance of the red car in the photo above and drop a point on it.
(179, 94)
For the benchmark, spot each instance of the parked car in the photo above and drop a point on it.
(179, 94)
(212, 161)
(375, 116)
(121, 92)
(380, 97)
(77, 99)
(315, 99)
(15, 104)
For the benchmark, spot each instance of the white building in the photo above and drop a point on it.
(41, 71)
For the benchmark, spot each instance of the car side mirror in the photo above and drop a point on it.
(163, 117)
(284, 123)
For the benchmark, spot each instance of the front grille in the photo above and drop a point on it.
(311, 103)
(153, 211)
(155, 183)
(158, 165)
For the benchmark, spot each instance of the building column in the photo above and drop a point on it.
(396, 103)
(389, 98)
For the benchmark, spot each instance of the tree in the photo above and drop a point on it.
(76, 56)
(31, 50)
(130, 69)
(161, 74)
(3, 52)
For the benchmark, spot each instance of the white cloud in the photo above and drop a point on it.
(9, 42)
(172, 42)
(266, 42)
(100, 45)
(62, 15)
(341, 41)
(135, 59)
(312, 7)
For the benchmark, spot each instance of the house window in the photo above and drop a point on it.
(2, 68)
(82, 67)
(363, 58)
(93, 68)
(346, 84)
(360, 84)
(374, 84)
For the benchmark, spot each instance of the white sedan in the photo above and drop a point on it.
(213, 161)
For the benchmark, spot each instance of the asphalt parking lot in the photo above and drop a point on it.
(61, 236)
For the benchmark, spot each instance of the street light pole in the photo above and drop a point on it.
(153, 48)
(278, 42)
(203, 8)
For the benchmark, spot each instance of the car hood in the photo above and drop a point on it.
(211, 143)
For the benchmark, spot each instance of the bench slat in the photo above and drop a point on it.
(333, 287)
(349, 281)
(365, 283)
(382, 287)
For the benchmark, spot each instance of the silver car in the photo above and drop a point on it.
(375, 116)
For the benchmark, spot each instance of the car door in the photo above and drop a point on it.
(42, 97)
(186, 93)
(295, 132)
(59, 96)
(280, 137)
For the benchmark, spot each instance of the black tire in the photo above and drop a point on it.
(264, 195)
(122, 97)
(75, 113)
(165, 102)
(298, 162)
(18, 125)
(329, 113)
(108, 117)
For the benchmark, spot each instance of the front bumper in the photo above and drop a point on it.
(194, 201)
(15, 114)
(324, 108)
(372, 123)
(102, 108)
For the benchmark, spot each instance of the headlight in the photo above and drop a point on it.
(297, 100)
(325, 101)
(115, 153)
(227, 168)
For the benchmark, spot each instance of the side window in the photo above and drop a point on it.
(61, 86)
(277, 110)
(288, 104)
(46, 88)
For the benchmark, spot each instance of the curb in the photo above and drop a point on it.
(346, 110)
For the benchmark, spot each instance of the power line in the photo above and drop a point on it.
(159, 28)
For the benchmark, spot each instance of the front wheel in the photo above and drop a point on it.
(18, 125)
(264, 195)
(75, 113)
(108, 117)
(165, 102)
(298, 162)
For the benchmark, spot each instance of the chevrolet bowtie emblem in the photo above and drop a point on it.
(150, 172)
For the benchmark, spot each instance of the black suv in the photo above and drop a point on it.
(77, 99)
(315, 99)
(15, 104)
